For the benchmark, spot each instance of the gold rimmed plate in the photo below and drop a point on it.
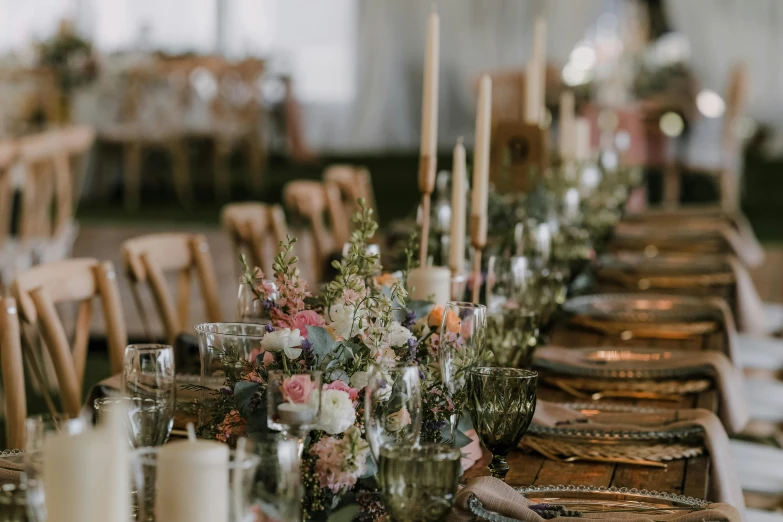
(641, 308)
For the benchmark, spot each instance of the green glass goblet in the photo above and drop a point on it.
(418, 483)
(501, 402)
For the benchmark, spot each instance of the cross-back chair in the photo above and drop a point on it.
(148, 258)
(37, 291)
(251, 227)
(12, 369)
(309, 200)
(354, 182)
(8, 154)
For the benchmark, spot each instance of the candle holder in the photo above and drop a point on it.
(242, 468)
(293, 403)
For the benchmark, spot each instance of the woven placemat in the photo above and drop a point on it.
(562, 448)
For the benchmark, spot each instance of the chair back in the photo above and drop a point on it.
(148, 258)
(354, 182)
(8, 153)
(37, 291)
(249, 225)
(308, 199)
(12, 370)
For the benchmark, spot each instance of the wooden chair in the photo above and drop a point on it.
(726, 177)
(251, 227)
(13, 374)
(40, 288)
(148, 258)
(8, 155)
(354, 182)
(308, 199)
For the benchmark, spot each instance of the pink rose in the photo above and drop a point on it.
(297, 388)
(353, 393)
(306, 318)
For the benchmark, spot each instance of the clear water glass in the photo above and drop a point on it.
(148, 373)
(250, 309)
(463, 334)
(148, 421)
(392, 406)
(418, 483)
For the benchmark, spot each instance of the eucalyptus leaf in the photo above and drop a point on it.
(371, 468)
(344, 514)
(322, 342)
(420, 307)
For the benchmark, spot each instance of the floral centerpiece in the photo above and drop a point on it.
(361, 321)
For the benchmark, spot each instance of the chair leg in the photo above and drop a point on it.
(181, 172)
(255, 161)
(221, 170)
(132, 174)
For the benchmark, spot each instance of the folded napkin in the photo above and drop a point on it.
(729, 379)
(497, 496)
(10, 471)
(750, 307)
(551, 414)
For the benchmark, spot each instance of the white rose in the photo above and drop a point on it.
(359, 380)
(398, 420)
(398, 335)
(343, 320)
(285, 340)
(337, 412)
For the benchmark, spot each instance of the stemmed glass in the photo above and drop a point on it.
(392, 406)
(144, 421)
(462, 336)
(148, 374)
(512, 327)
(293, 403)
(418, 482)
(250, 309)
(501, 402)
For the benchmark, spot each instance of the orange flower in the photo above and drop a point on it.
(386, 279)
(435, 319)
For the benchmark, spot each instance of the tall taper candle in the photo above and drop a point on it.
(458, 211)
(582, 146)
(429, 127)
(566, 127)
(535, 75)
(478, 211)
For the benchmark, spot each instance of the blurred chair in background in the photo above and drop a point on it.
(252, 227)
(37, 292)
(12, 370)
(147, 260)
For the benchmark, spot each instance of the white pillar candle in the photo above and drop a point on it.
(429, 101)
(86, 478)
(581, 139)
(571, 205)
(430, 282)
(192, 482)
(566, 132)
(535, 75)
(481, 155)
(458, 210)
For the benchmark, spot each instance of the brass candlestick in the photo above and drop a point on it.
(426, 186)
(478, 238)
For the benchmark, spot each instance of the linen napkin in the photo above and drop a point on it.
(471, 453)
(495, 495)
(551, 414)
(10, 471)
(729, 379)
(750, 307)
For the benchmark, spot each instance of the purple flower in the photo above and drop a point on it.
(307, 345)
(269, 328)
(409, 319)
(226, 391)
(421, 375)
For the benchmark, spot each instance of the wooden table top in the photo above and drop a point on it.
(684, 476)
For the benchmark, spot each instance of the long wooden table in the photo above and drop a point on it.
(684, 476)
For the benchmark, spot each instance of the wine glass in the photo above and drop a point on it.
(462, 336)
(418, 482)
(148, 373)
(145, 420)
(250, 309)
(279, 482)
(392, 406)
(37, 429)
(293, 403)
(501, 402)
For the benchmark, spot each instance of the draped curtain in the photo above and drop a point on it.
(476, 36)
(723, 33)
